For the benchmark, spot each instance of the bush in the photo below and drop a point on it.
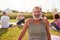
(49, 16)
(13, 15)
(27, 15)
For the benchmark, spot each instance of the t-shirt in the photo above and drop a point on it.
(58, 23)
(5, 21)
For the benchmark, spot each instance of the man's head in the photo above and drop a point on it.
(4, 13)
(37, 12)
(56, 16)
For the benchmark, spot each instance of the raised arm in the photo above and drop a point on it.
(47, 29)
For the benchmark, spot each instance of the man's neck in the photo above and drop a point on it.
(36, 20)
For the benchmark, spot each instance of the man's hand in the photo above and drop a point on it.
(46, 22)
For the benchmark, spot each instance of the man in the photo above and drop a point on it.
(5, 20)
(38, 28)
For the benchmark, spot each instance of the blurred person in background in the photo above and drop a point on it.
(20, 19)
(56, 22)
(5, 21)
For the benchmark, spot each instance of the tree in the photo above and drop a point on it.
(54, 11)
(48, 12)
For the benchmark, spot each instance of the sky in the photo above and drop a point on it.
(27, 5)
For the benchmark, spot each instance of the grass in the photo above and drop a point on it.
(13, 20)
(13, 32)
(9, 34)
(53, 32)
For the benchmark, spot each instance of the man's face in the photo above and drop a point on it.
(37, 13)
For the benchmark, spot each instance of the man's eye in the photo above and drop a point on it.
(36, 11)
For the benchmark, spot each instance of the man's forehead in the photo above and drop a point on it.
(37, 9)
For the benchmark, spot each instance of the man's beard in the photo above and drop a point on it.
(37, 17)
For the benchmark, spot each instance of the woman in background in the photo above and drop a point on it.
(20, 19)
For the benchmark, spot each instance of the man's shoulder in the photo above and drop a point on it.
(28, 19)
(2, 16)
(5, 17)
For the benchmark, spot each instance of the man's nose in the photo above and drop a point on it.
(36, 13)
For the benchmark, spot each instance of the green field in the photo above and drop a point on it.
(13, 32)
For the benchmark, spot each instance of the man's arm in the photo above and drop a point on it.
(47, 29)
(24, 29)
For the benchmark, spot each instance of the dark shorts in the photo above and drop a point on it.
(56, 26)
(10, 25)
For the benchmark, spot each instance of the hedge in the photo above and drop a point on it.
(14, 15)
